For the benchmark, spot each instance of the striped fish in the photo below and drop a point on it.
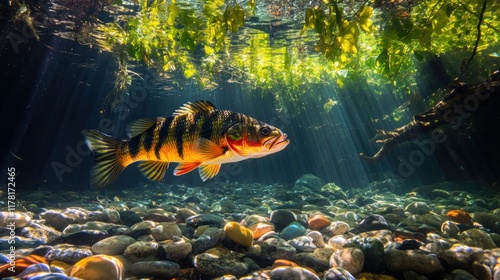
(197, 135)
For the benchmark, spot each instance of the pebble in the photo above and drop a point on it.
(141, 228)
(177, 251)
(336, 228)
(218, 262)
(459, 216)
(114, 245)
(338, 273)
(282, 218)
(293, 230)
(98, 267)
(303, 244)
(416, 260)
(163, 269)
(239, 234)
(372, 222)
(21, 219)
(290, 273)
(82, 237)
(432, 219)
(449, 228)
(205, 219)
(164, 231)
(373, 252)
(276, 248)
(141, 249)
(476, 238)
(488, 220)
(310, 181)
(68, 253)
(260, 228)
(207, 240)
(350, 259)
(318, 222)
(418, 207)
(61, 219)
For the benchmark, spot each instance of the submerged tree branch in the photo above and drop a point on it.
(448, 111)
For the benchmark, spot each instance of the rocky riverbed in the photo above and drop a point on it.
(312, 230)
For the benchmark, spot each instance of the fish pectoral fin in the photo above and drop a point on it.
(208, 171)
(153, 170)
(208, 149)
(139, 126)
(185, 167)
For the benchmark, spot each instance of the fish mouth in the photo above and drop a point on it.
(278, 142)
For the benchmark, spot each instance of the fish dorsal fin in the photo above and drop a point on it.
(185, 167)
(153, 170)
(207, 149)
(193, 107)
(139, 126)
(208, 171)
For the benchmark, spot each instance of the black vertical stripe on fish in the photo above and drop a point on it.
(179, 130)
(194, 125)
(207, 126)
(228, 121)
(148, 137)
(162, 136)
(134, 145)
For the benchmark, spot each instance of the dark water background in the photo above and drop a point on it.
(53, 88)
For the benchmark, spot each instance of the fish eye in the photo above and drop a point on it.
(265, 131)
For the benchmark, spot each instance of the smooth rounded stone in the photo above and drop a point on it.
(177, 251)
(141, 228)
(461, 274)
(164, 217)
(334, 190)
(318, 260)
(488, 220)
(20, 242)
(303, 244)
(318, 222)
(114, 245)
(260, 228)
(370, 223)
(98, 267)
(141, 249)
(310, 181)
(164, 231)
(20, 219)
(412, 275)
(239, 234)
(34, 268)
(292, 273)
(338, 273)
(396, 261)
(205, 219)
(129, 218)
(61, 219)
(200, 230)
(282, 218)
(373, 251)
(68, 253)
(461, 256)
(317, 238)
(207, 240)
(183, 213)
(276, 248)
(163, 269)
(293, 230)
(47, 276)
(350, 259)
(449, 228)
(218, 262)
(98, 225)
(252, 219)
(336, 228)
(476, 238)
(432, 219)
(337, 242)
(106, 215)
(83, 237)
(383, 235)
(481, 271)
(417, 207)
(73, 228)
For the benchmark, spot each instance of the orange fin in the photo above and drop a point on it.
(208, 171)
(139, 126)
(153, 170)
(107, 165)
(193, 107)
(208, 149)
(185, 167)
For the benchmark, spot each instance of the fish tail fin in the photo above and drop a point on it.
(107, 165)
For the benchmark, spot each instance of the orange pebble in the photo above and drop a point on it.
(282, 262)
(21, 265)
(459, 216)
(260, 228)
(318, 222)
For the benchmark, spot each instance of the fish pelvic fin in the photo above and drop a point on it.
(153, 170)
(107, 165)
(208, 171)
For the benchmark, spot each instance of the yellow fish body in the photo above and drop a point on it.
(197, 135)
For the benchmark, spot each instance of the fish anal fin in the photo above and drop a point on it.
(185, 167)
(139, 126)
(208, 149)
(153, 170)
(193, 107)
(208, 171)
